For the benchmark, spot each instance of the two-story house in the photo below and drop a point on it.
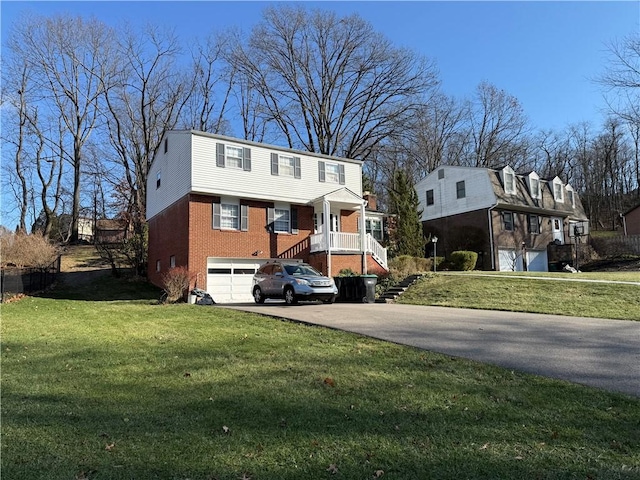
(222, 206)
(513, 221)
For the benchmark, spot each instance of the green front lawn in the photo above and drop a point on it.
(527, 293)
(127, 389)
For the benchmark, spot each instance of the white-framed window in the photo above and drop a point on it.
(508, 223)
(158, 179)
(172, 261)
(535, 187)
(509, 182)
(229, 216)
(281, 220)
(558, 190)
(331, 172)
(374, 227)
(233, 156)
(461, 190)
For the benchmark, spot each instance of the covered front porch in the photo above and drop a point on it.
(330, 224)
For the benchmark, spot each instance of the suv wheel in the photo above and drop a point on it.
(289, 296)
(257, 295)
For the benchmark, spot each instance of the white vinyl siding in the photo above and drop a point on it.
(261, 184)
(478, 191)
(190, 166)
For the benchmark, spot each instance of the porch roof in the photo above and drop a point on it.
(343, 198)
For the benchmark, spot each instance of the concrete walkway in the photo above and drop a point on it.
(596, 352)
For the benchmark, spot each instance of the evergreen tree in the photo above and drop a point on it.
(408, 236)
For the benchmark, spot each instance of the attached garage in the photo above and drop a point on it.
(229, 280)
(511, 260)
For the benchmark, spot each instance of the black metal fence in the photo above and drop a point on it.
(14, 281)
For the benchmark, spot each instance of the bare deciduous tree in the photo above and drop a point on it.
(331, 84)
(498, 128)
(71, 62)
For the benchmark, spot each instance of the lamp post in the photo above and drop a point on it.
(434, 240)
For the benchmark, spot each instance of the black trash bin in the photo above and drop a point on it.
(368, 292)
(347, 290)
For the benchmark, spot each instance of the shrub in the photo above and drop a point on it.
(176, 282)
(405, 265)
(463, 260)
(346, 272)
(24, 250)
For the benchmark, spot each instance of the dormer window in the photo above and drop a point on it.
(509, 180)
(534, 185)
(558, 190)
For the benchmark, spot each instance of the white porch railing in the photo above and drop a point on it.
(349, 242)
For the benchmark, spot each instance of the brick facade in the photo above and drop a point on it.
(184, 230)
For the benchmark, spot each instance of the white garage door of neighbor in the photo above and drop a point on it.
(537, 261)
(229, 280)
(510, 261)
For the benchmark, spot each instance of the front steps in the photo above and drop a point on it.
(391, 294)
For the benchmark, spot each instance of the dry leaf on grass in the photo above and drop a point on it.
(330, 381)
(332, 469)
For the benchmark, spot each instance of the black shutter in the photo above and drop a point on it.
(341, 173)
(271, 218)
(244, 218)
(296, 167)
(274, 164)
(246, 159)
(294, 220)
(216, 216)
(321, 175)
(220, 155)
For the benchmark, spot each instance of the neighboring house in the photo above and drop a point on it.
(222, 206)
(631, 221)
(111, 231)
(513, 221)
(85, 229)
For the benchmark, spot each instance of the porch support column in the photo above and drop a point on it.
(363, 237)
(326, 231)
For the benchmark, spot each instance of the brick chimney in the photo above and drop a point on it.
(371, 198)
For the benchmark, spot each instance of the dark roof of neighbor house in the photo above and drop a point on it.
(631, 210)
(522, 199)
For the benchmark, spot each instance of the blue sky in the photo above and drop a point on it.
(544, 53)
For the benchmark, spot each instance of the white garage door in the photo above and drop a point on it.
(229, 280)
(537, 261)
(510, 260)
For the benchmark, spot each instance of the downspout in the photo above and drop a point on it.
(491, 248)
(363, 236)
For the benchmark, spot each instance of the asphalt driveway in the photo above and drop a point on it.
(596, 352)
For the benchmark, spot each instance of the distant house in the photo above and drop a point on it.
(223, 206)
(513, 221)
(631, 221)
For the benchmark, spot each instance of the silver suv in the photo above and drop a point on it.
(292, 281)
